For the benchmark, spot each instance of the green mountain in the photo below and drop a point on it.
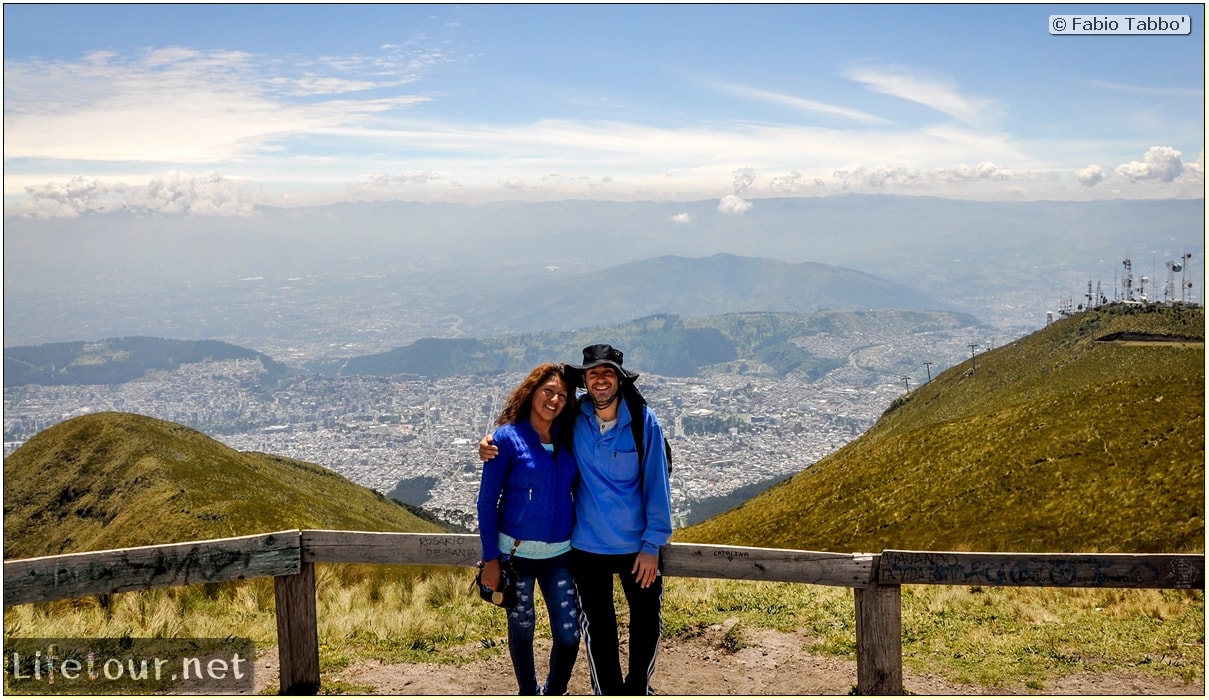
(118, 360)
(1088, 435)
(663, 344)
(115, 480)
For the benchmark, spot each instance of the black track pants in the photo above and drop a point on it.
(593, 574)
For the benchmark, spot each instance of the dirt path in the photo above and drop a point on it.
(772, 664)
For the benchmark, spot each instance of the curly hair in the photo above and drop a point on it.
(520, 401)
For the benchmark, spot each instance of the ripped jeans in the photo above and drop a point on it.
(553, 576)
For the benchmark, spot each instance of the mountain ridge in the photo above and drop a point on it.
(703, 286)
(1059, 441)
(119, 360)
(660, 344)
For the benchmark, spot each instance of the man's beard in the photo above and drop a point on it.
(598, 405)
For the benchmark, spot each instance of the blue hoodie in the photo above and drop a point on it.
(615, 512)
(525, 491)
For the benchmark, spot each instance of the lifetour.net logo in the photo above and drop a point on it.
(128, 666)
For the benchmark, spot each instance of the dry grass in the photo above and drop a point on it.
(994, 637)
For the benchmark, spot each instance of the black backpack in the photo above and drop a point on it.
(635, 402)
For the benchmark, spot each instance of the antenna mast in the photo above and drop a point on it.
(1185, 284)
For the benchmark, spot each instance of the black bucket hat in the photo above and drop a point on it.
(602, 354)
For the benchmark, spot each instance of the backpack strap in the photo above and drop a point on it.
(635, 402)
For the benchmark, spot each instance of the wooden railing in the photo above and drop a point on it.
(290, 557)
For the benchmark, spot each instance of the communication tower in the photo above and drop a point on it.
(1185, 283)
(1180, 266)
(1169, 286)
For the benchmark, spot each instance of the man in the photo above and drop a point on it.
(623, 515)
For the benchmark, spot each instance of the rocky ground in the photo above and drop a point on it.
(770, 663)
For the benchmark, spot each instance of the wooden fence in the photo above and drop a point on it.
(290, 557)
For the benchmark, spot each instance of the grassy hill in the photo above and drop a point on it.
(114, 480)
(1088, 435)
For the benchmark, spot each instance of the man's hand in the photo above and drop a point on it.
(646, 568)
(487, 451)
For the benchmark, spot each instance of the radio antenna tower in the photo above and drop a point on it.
(1127, 280)
(1181, 267)
(1169, 287)
(1185, 284)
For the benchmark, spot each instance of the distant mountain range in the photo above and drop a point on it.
(1085, 436)
(685, 310)
(115, 480)
(690, 287)
(663, 344)
(390, 273)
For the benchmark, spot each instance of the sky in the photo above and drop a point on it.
(218, 109)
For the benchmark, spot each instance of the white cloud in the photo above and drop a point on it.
(939, 94)
(801, 104)
(1162, 163)
(743, 179)
(73, 198)
(875, 177)
(891, 178)
(982, 171)
(1151, 89)
(171, 193)
(176, 106)
(730, 204)
(1090, 176)
(323, 85)
(338, 127)
(184, 193)
(681, 218)
(1197, 167)
(412, 178)
(787, 183)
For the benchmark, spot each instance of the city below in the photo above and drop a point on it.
(416, 438)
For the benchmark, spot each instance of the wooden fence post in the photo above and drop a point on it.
(879, 643)
(297, 631)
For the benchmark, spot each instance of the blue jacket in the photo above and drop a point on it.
(615, 512)
(525, 491)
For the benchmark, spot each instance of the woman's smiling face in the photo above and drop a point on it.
(549, 399)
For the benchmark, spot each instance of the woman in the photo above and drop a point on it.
(525, 511)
